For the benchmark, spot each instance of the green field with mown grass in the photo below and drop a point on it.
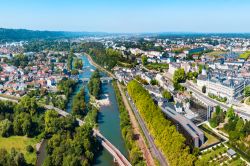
(20, 143)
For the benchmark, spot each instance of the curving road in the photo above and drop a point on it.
(210, 101)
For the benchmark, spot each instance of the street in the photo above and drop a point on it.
(157, 153)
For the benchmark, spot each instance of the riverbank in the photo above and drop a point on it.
(140, 142)
(108, 117)
(98, 66)
(131, 131)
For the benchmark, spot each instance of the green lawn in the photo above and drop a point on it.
(245, 55)
(208, 156)
(20, 143)
(210, 139)
(215, 54)
(157, 66)
(237, 162)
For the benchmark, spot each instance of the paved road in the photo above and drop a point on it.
(149, 138)
(147, 154)
(209, 101)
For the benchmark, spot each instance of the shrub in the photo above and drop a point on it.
(29, 149)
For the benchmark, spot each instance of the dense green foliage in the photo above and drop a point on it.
(167, 95)
(78, 64)
(238, 131)
(41, 45)
(142, 81)
(66, 86)
(207, 157)
(135, 154)
(141, 44)
(154, 82)
(20, 60)
(13, 158)
(192, 75)
(22, 119)
(247, 91)
(69, 144)
(157, 66)
(144, 59)
(94, 84)
(78, 105)
(107, 58)
(179, 77)
(70, 61)
(217, 117)
(166, 137)
(218, 98)
(23, 34)
(48, 98)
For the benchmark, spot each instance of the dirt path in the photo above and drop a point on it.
(136, 130)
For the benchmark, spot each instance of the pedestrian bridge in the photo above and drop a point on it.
(118, 156)
(103, 79)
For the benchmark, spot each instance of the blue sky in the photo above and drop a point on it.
(127, 15)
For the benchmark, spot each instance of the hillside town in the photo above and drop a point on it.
(189, 79)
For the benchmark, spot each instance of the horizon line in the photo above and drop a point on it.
(159, 32)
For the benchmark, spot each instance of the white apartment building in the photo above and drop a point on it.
(231, 89)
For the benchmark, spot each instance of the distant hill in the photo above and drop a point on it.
(24, 34)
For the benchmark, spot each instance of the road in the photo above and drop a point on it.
(100, 67)
(136, 130)
(210, 101)
(157, 153)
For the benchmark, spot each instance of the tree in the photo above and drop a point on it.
(204, 89)
(230, 113)
(169, 140)
(22, 124)
(154, 82)
(144, 59)
(189, 75)
(217, 117)
(247, 91)
(200, 69)
(12, 159)
(94, 84)
(239, 125)
(6, 128)
(74, 72)
(29, 149)
(51, 122)
(179, 76)
(78, 106)
(78, 64)
(27, 104)
(167, 95)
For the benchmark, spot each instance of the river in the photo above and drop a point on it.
(108, 117)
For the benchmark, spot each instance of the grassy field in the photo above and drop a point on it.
(215, 54)
(245, 55)
(157, 66)
(20, 143)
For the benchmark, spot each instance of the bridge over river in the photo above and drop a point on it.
(103, 79)
(118, 156)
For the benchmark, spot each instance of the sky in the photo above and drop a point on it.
(129, 16)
